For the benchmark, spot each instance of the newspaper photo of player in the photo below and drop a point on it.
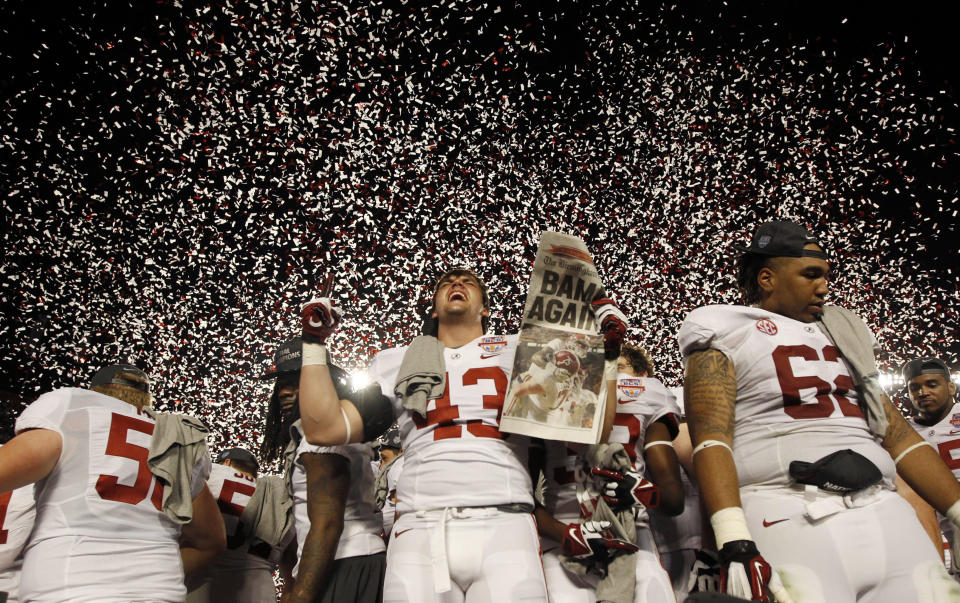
(562, 379)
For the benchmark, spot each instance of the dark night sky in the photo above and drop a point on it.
(179, 176)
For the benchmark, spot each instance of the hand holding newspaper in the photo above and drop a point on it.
(557, 391)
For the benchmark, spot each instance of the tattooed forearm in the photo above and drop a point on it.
(710, 392)
(899, 433)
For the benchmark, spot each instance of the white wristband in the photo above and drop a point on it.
(953, 513)
(649, 445)
(313, 353)
(728, 525)
(709, 444)
(346, 423)
(610, 370)
(900, 456)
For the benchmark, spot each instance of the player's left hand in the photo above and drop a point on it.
(613, 325)
(745, 573)
(628, 489)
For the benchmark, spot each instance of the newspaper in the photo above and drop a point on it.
(557, 391)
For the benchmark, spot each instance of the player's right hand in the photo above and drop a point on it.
(613, 325)
(593, 539)
(319, 319)
(745, 573)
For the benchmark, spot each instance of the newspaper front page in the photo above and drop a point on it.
(557, 391)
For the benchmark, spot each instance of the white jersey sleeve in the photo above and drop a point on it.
(99, 524)
(945, 437)
(795, 398)
(456, 456)
(362, 521)
(17, 512)
(641, 401)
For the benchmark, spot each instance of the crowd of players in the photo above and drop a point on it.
(774, 476)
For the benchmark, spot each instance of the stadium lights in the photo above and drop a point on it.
(359, 380)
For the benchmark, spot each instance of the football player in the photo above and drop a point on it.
(796, 462)
(244, 572)
(645, 424)
(465, 530)
(114, 521)
(339, 549)
(936, 418)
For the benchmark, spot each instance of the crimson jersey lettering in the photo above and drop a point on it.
(445, 414)
(4, 503)
(108, 486)
(791, 384)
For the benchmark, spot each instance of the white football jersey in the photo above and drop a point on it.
(362, 522)
(16, 521)
(795, 398)
(389, 506)
(456, 456)
(945, 437)
(640, 402)
(240, 574)
(100, 533)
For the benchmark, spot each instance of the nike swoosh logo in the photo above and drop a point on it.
(485, 356)
(767, 524)
(397, 534)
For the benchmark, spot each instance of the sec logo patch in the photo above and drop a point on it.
(767, 326)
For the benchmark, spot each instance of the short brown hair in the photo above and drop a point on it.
(638, 359)
(463, 271)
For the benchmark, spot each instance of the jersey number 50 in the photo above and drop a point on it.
(108, 486)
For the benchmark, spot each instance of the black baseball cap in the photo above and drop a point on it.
(286, 359)
(113, 374)
(239, 454)
(925, 366)
(781, 238)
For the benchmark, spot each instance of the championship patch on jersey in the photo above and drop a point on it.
(494, 344)
(765, 325)
(631, 388)
(955, 420)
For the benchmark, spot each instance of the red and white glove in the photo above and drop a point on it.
(628, 489)
(613, 325)
(593, 539)
(745, 573)
(319, 319)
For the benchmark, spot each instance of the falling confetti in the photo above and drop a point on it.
(181, 176)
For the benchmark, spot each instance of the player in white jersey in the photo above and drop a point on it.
(103, 529)
(645, 424)
(17, 511)
(244, 572)
(936, 418)
(338, 524)
(787, 463)
(465, 532)
(338, 553)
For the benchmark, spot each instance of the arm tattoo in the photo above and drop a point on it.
(899, 431)
(710, 391)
